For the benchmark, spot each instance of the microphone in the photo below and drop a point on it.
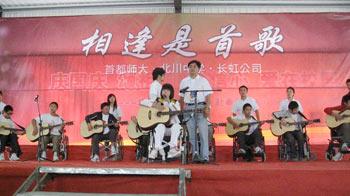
(36, 98)
(184, 89)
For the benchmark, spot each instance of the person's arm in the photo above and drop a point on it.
(331, 110)
(207, 107)
(257, 115)
(35, 127)
(232, 122)
(91, 117)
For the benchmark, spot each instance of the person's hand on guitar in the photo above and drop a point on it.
(35, 130)
(337, 116)
(90, 127)
(159, 106)
(284, 122)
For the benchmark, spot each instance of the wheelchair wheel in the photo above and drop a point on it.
(263, 157)
(213, 151)
(64, 148)
(120, 148)
(330, 154)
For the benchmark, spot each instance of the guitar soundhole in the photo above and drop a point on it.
(149, 115)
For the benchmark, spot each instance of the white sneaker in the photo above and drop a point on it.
(14, 157)
(113, 150)
(162, 153)
(55, 157)
(173, 153)
(258, 150)
(338, 156)
(2, 157)
(43, 156)
(95, 158)
(344, 147)
(241, 151)
(153, 154)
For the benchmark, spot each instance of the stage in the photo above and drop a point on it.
(224, 177)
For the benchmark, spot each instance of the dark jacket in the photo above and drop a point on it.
(98, 116)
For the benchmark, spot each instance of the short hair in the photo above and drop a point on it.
(293, 105)
(345, 98)
(54, 103)
(158, 71)
(199, 64)
(291, 88)
(104, 104)
(8, 108)
(169, 87)
(348, 80)
(246, 105)
(243, 86)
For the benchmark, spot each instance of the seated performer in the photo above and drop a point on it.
(173, 128)
(344, 129)
(252, 137)
(290, 137)
(12, 139)
(55, 135)
(109, 132)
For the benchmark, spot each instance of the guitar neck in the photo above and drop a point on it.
(179, 112)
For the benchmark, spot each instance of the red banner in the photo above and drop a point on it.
(78, 61)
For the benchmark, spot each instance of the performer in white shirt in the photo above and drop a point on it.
(290, 97)
(12, 139)
(238, 105)
(158, 75)
(114, 108)
(252, 137)
(197, 82)
(55, 135)
(172, 129)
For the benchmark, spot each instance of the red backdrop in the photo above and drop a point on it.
(266, 52)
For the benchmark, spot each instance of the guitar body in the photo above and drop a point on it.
(333, 123)
(147, 117)
(4, 131)
(97, 128)
(230, 131)
(277, 129)
(30, 129)
(133, 131)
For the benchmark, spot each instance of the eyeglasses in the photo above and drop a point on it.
(9, 113)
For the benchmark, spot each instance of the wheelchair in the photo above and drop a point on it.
(147, 139)
(250, 154)
(105, 147)
(284, 148)
(334, 145)
(63, 148)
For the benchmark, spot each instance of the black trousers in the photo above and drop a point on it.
(292, 137)
(254, 139)
(96, 138)
(344, 132)
(144, 143)
(12, 140)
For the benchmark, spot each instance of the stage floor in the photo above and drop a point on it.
(224, 177)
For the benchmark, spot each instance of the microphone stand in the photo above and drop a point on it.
(195, 157)
(41, 138)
